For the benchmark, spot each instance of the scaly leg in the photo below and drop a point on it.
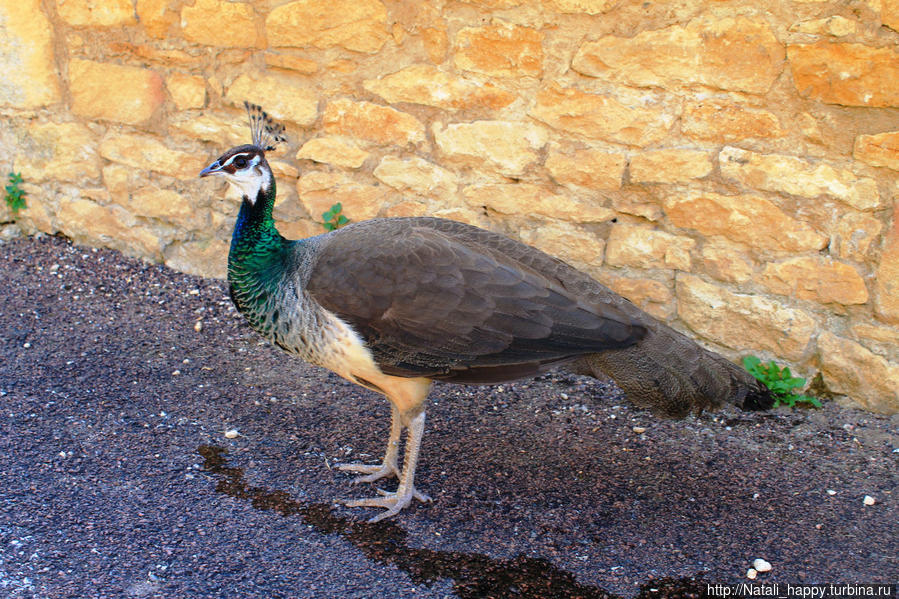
(389, 466)
(394, 502)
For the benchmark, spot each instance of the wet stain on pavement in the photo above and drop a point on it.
(474, 575)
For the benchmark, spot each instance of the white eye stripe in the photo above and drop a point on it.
(251, 158)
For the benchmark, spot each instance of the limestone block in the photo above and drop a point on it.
(850, 369)
(589, 7)
(727, 264)
(206, 258)
(500, 50)
(319, 191)
(156, 17)
(372, 122)
(881, 149)
(90, 13)
(291, 62)
(114, 92)
(120, 180)
(299, 229)
(187, 91)
(847, 74)
(358, 25)
(889, 14)
(148, 153)
(165, 204)
(407, 208)
(435, 42)
(60, 151)
(747, 219)
(855, 235)
(332, 149)
(601, 116)
(283, 97)
(496, 4)
(887, 277)
(799, 177)
(877, 334)
(670, 166)
(816, 278)
(463, 215)
(835, 26)
(417, 175)
(575, 246)
(722, 121)
(642, 247)
(427, 85)
(223, 130)
(508, 146)
(732, 53)
(526, 199)
(30, 79)
(38, 213)
(219, 23)
(744, 322)
(882, 340)
(585, 167)
(649, 295)
(90, 223)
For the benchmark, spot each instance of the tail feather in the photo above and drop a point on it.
(672, 375)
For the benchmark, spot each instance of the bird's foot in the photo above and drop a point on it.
(373, 471)
(392, 502)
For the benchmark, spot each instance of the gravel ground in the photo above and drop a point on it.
(119, 480)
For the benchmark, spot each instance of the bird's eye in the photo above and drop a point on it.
(240, 162)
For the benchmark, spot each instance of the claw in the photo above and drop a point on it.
(393, 503)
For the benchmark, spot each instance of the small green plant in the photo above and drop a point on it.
(780, 381)
(333, 219)
(15, 195)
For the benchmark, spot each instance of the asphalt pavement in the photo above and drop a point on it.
(154, 446)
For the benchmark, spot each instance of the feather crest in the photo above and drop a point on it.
(266, 133)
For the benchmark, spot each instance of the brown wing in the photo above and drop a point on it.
(457, 303)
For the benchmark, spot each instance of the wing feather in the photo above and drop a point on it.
(432, 299)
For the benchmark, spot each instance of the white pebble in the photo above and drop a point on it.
(231, 434)
(194, 292)
(639, 429)
(176, 372)
(564, 395)
(831, 492)
(868, 500)
(26, 345)
(751, 573)
(761, 565)
(198, 326)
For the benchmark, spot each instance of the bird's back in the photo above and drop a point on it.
(449, 301)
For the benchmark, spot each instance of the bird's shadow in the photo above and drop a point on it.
(474, 575)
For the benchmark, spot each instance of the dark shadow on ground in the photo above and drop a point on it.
(474, 575)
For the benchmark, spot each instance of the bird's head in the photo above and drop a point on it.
(245, 167)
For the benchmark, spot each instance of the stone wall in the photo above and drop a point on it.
(729, 166)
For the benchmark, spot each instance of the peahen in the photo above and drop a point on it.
(394, 304)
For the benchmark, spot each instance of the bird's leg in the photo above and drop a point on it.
(394, 502)
(389, 466)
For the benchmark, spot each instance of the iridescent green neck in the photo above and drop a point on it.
(256, 260)
(255, 234)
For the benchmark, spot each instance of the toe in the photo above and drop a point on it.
(371, 472)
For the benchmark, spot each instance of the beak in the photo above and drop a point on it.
(212, 169)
